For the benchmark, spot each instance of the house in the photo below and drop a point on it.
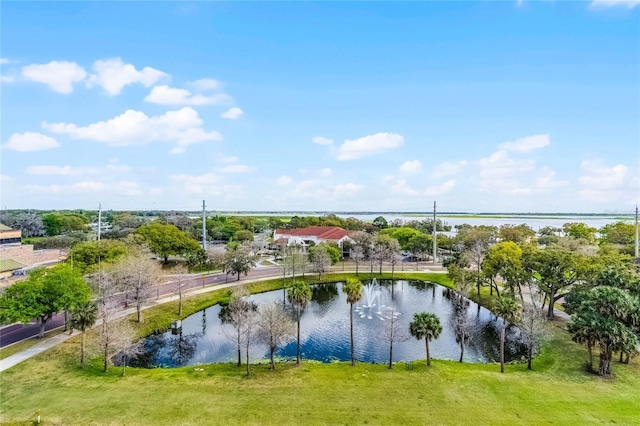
(312, 235)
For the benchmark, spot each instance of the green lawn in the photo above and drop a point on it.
(557, 391)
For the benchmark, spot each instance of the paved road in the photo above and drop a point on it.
(18, 332)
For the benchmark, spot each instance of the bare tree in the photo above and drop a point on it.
(476, 255)
(239, 314)
(534, 328)
(124, 342)
(361, 246)
(139, 275)
(357, 254)
(392, 332)
(320, 259)
(275, 327)
(394, 254)
(107, 307)
(180, 283)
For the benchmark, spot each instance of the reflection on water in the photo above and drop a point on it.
(325, 330)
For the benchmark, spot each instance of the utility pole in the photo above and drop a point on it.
(204, 226)
(435, 246)
(636, 251)
(99, 219)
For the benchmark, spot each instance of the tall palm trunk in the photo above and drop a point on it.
(273, 349)
(502, 332)
(247, 356)
(428, 353)
(82, 350)
(390, 354)
(239, 350)
(353, 359)
(298, 346)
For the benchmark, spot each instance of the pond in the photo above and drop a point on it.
(204, 339)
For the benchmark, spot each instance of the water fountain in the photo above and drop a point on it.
(373, 304)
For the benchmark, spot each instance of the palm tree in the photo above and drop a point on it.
(84, 317)
(299, 295)
(506, 308)
(353, 289)
(425, 325)
(582, 329)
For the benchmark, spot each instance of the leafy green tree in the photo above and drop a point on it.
(425, 325)
(86, 255)
(579, 230)
(353, 289)
(622, 233)
(243, 235)
(84, 316)
(167, 240)
(519, 234)
(504, 259)
(43, 294)
(420, 245)
(299, 295)
(402, 234)
(52, 224)
(238, 259)
(380, 222)
(506, 308)
(558, 269)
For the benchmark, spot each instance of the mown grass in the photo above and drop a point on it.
(557, 391)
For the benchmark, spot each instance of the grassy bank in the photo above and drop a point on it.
(556, 391)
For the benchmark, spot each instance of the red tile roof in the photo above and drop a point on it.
(323, 232)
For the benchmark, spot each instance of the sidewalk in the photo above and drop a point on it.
(49, 343)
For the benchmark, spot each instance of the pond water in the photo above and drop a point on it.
(205, 339)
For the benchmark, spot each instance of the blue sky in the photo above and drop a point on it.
(483, 106)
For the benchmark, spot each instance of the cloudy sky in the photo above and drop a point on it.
(489, 106)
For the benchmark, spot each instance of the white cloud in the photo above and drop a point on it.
(205, 84)
(126, 188)
(442, 189)
(326, 172)
(501, 174)
(221, 158)
(368, 145)
(284, 180)
(165, 95)
(197, 184)
(136, 128)
(71, 171)
(232, 114)
(59, 75)
(449, 169)
(321, 140)
(4, 60)
(526, 144)
(601, 183)
(411, 167)
(236, 168)
(6, 79)
(347, 190)
(113, 75)
(30, 141)
(600, 4)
